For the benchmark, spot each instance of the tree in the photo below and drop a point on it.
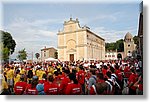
(8, 45)
(5, 54)
(22, 55)
(56, 55)
(37, 55)
(136, 41)
(120, 45)
(110, 46)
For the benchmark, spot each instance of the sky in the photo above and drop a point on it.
(35, 25)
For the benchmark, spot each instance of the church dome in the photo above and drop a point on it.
(128, 36)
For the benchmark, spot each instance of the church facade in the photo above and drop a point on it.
(79, 43)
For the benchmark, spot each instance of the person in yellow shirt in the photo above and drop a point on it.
(41, 72)
(38, 72)
(4, 87)
(10, 77)
(22, 71)
(17, 77)
(29, 76)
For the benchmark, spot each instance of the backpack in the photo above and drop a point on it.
(110, 88)
(117, 88)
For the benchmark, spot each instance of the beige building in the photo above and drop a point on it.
(129, 45)
(111, 55)
(79, 43)
(47, 53)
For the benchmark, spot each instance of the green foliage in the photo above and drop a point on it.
(8, 45)
(110, 46)
(119, 45)
(136, 41)
(5, 54)
(8, 41)
(37, 55)
(22, 55)
(56, 55)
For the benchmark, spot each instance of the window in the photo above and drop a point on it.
(113, 55)
(87, 36)
(109, 55)
(44, 54)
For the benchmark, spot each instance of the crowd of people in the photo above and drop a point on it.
(118, 77)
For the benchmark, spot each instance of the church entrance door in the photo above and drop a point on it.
(72, 57)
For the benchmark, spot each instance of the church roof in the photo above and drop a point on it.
(128, 36)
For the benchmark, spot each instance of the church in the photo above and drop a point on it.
(79, 43)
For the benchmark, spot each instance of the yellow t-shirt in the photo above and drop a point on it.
(10, 74)
(4, 84)
(38, 73)
(22, 71)
(41, 74)
(17, 79)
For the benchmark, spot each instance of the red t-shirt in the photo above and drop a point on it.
(31, 91)
(104, 71)
(140, 87)
(119, 74)
(42, 81)
(133, 78)
(20, 87)
(127, 72)
(73, 89)
(51, 89)
(80, 76)
(64, 84)
(92, 91)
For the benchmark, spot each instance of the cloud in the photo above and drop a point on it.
(111, 35)
(32, 35)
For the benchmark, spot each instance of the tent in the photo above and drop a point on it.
(51, 59)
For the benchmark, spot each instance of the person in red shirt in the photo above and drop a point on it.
(20, 86)
(139, 86)
(119, 76)
(64, 82)
(104, 71)
(31, 88)
(51, 88)
(73, 88)
(81, 78)
(132, 80)
(127, 71)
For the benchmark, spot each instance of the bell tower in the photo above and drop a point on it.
(129, 45)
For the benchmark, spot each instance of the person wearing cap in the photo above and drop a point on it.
(20, 86)
(40, 89)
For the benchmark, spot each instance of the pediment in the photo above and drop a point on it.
(71, 50)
